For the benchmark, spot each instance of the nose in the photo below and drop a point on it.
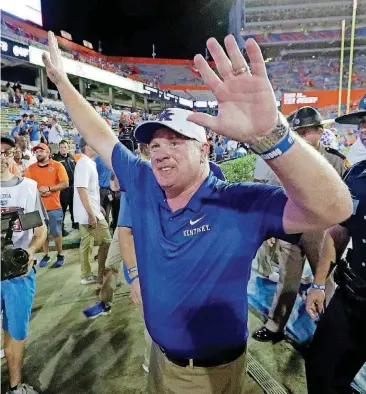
(159, 155)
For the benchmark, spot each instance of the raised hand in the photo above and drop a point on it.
(53, 62)
(247, 104)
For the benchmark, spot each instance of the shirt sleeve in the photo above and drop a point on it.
(124, 217)
(267, 203)
(81, 175)
(62, 174)
(129, 169)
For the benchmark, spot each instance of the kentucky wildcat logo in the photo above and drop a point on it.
(165, 115)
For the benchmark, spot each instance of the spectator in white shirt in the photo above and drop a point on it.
(231, 147)
(93, 227)
(55, 135)
(28, 157)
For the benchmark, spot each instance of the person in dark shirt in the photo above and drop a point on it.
(67, 195)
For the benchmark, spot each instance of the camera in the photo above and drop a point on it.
(14, 261)
(127, 138)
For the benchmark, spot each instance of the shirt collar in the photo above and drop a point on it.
(206, 191)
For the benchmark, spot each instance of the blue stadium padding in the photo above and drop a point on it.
(300, 326)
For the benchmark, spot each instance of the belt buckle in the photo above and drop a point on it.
(190, 364)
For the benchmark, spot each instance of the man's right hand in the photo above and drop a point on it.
(136, 292)
(53, 62)
(92, 221)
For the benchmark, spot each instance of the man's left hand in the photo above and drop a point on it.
(44, 189)
(315, 302)
(243, 98)
(30, 263)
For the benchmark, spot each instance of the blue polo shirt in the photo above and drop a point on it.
(217, 171)
(34, 134)
(194, 264)
(104, 173)
(14, 130)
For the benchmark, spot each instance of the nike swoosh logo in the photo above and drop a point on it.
(192, 222)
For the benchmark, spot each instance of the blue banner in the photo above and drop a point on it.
(237, 21)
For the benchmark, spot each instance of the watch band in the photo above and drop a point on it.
(271, 140)
(319, 287)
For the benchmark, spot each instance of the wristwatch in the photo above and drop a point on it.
(274, 138)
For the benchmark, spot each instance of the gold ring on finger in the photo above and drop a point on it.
(241, 70)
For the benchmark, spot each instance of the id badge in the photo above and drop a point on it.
(355, 205)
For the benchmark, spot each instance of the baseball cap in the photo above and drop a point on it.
(176, 120)
(8, 139)
(41, 146)
(356, 116)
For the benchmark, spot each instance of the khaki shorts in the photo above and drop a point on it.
(100, 233)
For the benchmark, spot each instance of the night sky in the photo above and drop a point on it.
(178, 28)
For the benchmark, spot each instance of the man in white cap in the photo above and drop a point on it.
(195, 236)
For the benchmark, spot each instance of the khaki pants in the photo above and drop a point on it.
(113, 263)
(90, 237)
(167, 378)
(291, 260)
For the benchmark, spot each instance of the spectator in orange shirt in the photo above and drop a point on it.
(51, 178)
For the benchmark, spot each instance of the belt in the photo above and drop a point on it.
(224, 357)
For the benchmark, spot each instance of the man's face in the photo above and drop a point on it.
(32, 118)
(362, 129)
(18, 154)
(310, 134)
(42, 155)
(22, 142)
(21, 124)
(7, 157)
(25, 118)
(64, 149)
(176, 160)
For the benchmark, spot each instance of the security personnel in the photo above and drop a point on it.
(308, 123)
(67, 195)
(338, 349)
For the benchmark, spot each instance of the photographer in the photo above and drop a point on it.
(17, 293)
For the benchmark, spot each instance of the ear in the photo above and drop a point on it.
(205, 150)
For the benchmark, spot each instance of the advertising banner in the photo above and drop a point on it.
(318, 98)
(14, 49)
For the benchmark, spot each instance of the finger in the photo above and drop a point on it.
(236, 58)
(54, 50)
(204, 120)
(223, 64)
(47, 61)
(257, 64)
(207, 74)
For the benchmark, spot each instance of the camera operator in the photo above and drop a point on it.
(17, 293)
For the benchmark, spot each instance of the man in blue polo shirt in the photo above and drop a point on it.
(184, 219)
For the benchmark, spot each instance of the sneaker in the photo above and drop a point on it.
(45, 260)
(89, 280)
(145, 368)
(75, 226)
(99, 309)
(23, 389)
(59, 262)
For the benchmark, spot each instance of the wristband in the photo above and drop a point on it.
(133, 269)
(279, 149)
(132, 279)
(319, 287)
